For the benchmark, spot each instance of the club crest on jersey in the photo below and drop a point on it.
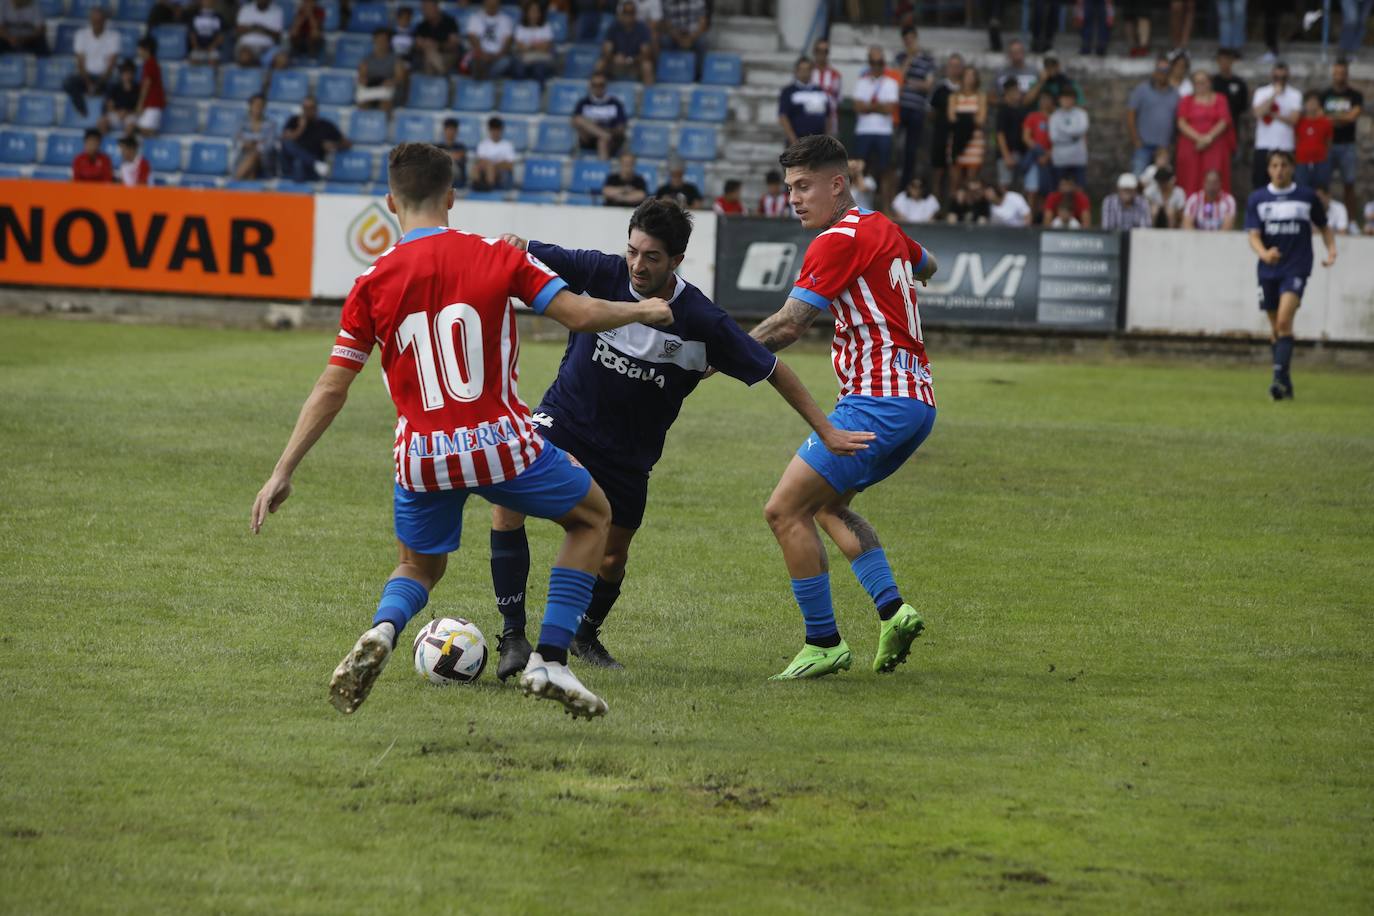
(439, 443)
(669, 348)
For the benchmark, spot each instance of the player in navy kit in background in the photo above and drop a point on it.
(616, 394)
(1280, 218)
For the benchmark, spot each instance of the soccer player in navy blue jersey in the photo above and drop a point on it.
(617, 394)
(1280, 219)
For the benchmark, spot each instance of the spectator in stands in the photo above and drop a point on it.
(1369, 218)
(306, 34)
(22, 30)
(1151, 115)
(437, 42)
(381, 75)
(490, 34)
(533, 45)
(939, 120)
(255, 143)
(1017, 69)
(599, 119)
(121, 100)
(1178, 72)
(1036, 169)
(152, 98)
(1069, 194)
(875, 102)
(862, 185)
(650, 12)
(1126, 209)
(915, 203)
(1044, 21)
(1052, 82)
(1063, 217)
(827, 77)
(1069, 139)
(1211, 209)
(403, 34)
(134, 170)
(1343, 104)
(205, 34)
(165, 12)
(91, 164)
(1007, 208)
(628, 50)
(457, 151)
(495, 159)
(678, 188)
(259, 27)
(1011, 139)
(969, 205)
(625, 187)
(1337, 216)
(1181, 15)
(1354, 18)
(685, 24)
(1206, 138)
(1277, 107)
(1096, 28)
(968, 112)
(774, 201)
(97, 49)
(917, 82)
(804, 109)
(1233, 88)
(1230, 26)
(1313, 143)
(587, 19)
(729, 203)
(1166, 200)
(1136, 15)
(307, 140)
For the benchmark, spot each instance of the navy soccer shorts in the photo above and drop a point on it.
(1272, 288)
(626, 489)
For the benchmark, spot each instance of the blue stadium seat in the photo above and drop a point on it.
(382, 162)
(558, 21)
(518, 133)
(72, 120)
(512, 12)
(80, 9)
(677, 67)
(415, 127)
(42, 174)
(187, 182)
(244, 184)
(286, 186)
(53, 9)
(195, 83)
(649, 173)
(429, 92)
(162, 154)
(351, 50)
(129, 36)
(208, 157)
(171, 42)
(53, 72)
(471, 130)
(592, 199)
(13, 70)
(475, 95)
(721, 69)
(697, 143)
(109, 145)
(62, 148)
(367, 126)
(240, 82)
(564, 96)
(589, 175)
(290, 86)
(708, 105)
(364, 18)
(628, 93)
(224, 120)
(581, 61)
(650, 141)
(696, 174)
(136, 11)
(10, 172)
(662, 103)
(181, 118)
(521, 97)
(537, 197)
(542, 175)
(331, 14)
(336, 88)
(346, 187)
(65, 42)
(554, 138)
(352, 166)
(38, 109)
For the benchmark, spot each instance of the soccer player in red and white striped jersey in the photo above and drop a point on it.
(862, 269)
(437, 307)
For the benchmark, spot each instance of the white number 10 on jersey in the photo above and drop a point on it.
(458, 330)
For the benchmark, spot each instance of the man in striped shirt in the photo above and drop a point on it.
(918, 80)
(1210, 209)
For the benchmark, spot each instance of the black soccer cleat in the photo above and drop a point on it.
(1276, 390)
(515, 652)
(587, 646)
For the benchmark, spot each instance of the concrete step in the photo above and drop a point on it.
(745, 34)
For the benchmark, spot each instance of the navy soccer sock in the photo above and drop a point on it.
(875, 575)
(604, 595)
(510, 573)
(570, 591)
(813, 596)
(1283, 357)
(402, 599)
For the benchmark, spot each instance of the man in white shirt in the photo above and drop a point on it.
(1276, 108)
(495, 159)
(489, 36)
(875, 101)
(97, 49)
(1007, 208)
(1337, 216)
(915, 204)
(259, 28)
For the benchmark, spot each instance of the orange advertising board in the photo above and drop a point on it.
(153, 239)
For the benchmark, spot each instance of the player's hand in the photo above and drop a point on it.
(1271, 256)
(511, 238)
(656, 312)
(270, 497)
(1330, 258)
(845, 441)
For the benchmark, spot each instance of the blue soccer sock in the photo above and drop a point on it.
(813, 596)
(1283, 357)
(875, 575)
(570, 591)
(402, 599)
(510, 572)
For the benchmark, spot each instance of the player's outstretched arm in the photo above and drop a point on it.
(325, 401)
(785, 326)
(584, 314)
(930, 266)
(839, 441)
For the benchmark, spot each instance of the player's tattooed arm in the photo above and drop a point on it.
(785, 326)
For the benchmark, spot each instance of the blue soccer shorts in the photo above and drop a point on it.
(549, 488)
(902, 424)
(1271, 288)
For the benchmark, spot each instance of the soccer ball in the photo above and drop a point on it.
(449, 651)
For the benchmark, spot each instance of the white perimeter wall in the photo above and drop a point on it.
(1205, 283)
(350, 230)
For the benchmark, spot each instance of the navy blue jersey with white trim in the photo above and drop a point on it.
(620, 390)
(1284, 218)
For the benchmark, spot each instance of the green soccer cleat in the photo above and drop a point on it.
(895, 637)
(814, 661)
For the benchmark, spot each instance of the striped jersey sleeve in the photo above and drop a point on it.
(828, 267)
(353, 343)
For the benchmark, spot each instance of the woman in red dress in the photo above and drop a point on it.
(1206, 138)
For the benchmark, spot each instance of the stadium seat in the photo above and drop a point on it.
(564, 96)
(37, 109)
(244, 184)
(224, 120)
(13, 70)
(365, 18)
(62, 148)
(697, 143)
(462, 14)
(589, 175)
(382, 172)
(554, 138)
(208, 157)
(351, 50)
(558, 21)
(171, 42)
(336, 88)
(345, 187)
(181, 118)
(721, 69)
(661, 103)
(190, 182)
(541, 175)
(581, 61)
(240, 82)
(677, 67)
(74, 121)
(415, 127)
(475, 95)
(353, 166)
(537, 197)
(429, 92)
(195, 83)
(286, 186)
(136, 11)
(367, 126)
(592, 199)
(521, 97)
(332, 15)
(65, 42)
(81, 9)
(512, 12)
(518, 133)
(109, 145)
(288, 86)
(11, 172)
(53, 72)
(628, 93)
(162, 154)
(649, 173)
(649, 141)
(471, 130)
(53, 9)
(129, 36)
(708, 105)
(696, 174)
(50, 174)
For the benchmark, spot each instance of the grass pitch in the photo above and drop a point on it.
(1145, 686)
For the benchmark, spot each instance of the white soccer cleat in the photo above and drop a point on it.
(353, 679)
(553, 681)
